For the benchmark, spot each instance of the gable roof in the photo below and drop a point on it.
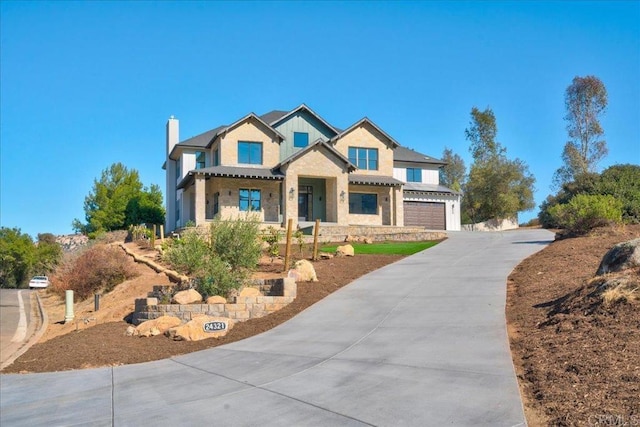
(249, 117)
(301, 107)
(403, 154)
(317, 143)
(365, 120)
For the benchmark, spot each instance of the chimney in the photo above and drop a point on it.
(172, 133)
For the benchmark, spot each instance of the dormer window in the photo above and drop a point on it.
(414, 175)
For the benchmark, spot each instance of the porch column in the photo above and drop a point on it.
(398, 206)
(200, 196)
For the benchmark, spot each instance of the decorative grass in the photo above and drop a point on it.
(385, 248)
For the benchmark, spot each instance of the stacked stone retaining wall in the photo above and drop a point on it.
(239, 309)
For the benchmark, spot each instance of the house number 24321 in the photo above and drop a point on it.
(214, 326)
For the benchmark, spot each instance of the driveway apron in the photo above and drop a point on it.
(421, 342)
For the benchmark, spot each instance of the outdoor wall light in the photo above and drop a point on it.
(292, 191)
(229, 192)
(342, 195)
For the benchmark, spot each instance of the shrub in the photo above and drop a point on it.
(99, 268)
(272, 238)
(299, 236)
(221, 261)
(187, 254)
(585, 212)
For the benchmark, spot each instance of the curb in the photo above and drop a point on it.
(44, 323)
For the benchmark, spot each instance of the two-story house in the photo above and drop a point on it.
(293, 164)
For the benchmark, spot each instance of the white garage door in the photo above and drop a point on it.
(424, 214)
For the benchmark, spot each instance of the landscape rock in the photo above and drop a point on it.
(190, 296)
(195, 329)
(131, 331)
(325, 255)
(156, 326)
(216, 299)
(345, 250)
(303, 271)
(621, 257)
(367, 240)
(249, 292)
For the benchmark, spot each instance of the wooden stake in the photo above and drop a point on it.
(287, 253)
(315, 240)
(162, 233)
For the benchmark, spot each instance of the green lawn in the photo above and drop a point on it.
(386, 248)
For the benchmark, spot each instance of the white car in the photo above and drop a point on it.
(39, 282)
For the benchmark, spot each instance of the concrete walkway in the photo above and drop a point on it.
(421, 342)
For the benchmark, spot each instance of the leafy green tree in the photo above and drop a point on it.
(620, 181)
(16, 257)
(118, 200)
(48, 254)
(453, 173)
(585, 101)
(623, 183)
(146, 207)
(497, 186)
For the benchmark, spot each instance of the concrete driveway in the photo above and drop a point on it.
(421, 342)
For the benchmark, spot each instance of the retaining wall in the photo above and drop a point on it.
(277, 294)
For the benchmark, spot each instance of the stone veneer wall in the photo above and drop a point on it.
(278, 293)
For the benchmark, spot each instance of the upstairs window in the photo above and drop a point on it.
(200, 160)
(300, 139)
(216, 157)
(362, 203)
(250, 153)
(414, 175)
(249, 200)
(364, 158)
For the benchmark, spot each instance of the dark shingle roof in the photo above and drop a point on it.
(273, 116)
(374, 180)
(428, 188)
(403, 154)
(203, 139)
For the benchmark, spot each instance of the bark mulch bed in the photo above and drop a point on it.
(105, 344)
(577, 360)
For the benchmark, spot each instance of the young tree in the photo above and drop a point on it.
(20, 258)
(497, 187)
(118, 200)
(585, 101)
(452, 174)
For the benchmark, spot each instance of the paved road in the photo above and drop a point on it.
(421, 342)
(15, 319)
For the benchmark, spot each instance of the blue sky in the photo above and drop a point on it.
(87, 84)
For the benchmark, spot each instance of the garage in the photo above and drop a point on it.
(425, 214)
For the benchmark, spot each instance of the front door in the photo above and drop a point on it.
(305, 203)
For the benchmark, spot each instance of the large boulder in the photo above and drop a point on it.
(303, 271)
(200, 328)
(345, 250)
(156, 326)
(216, 299)
(190, 296)
(622, 256)
(249, 292)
